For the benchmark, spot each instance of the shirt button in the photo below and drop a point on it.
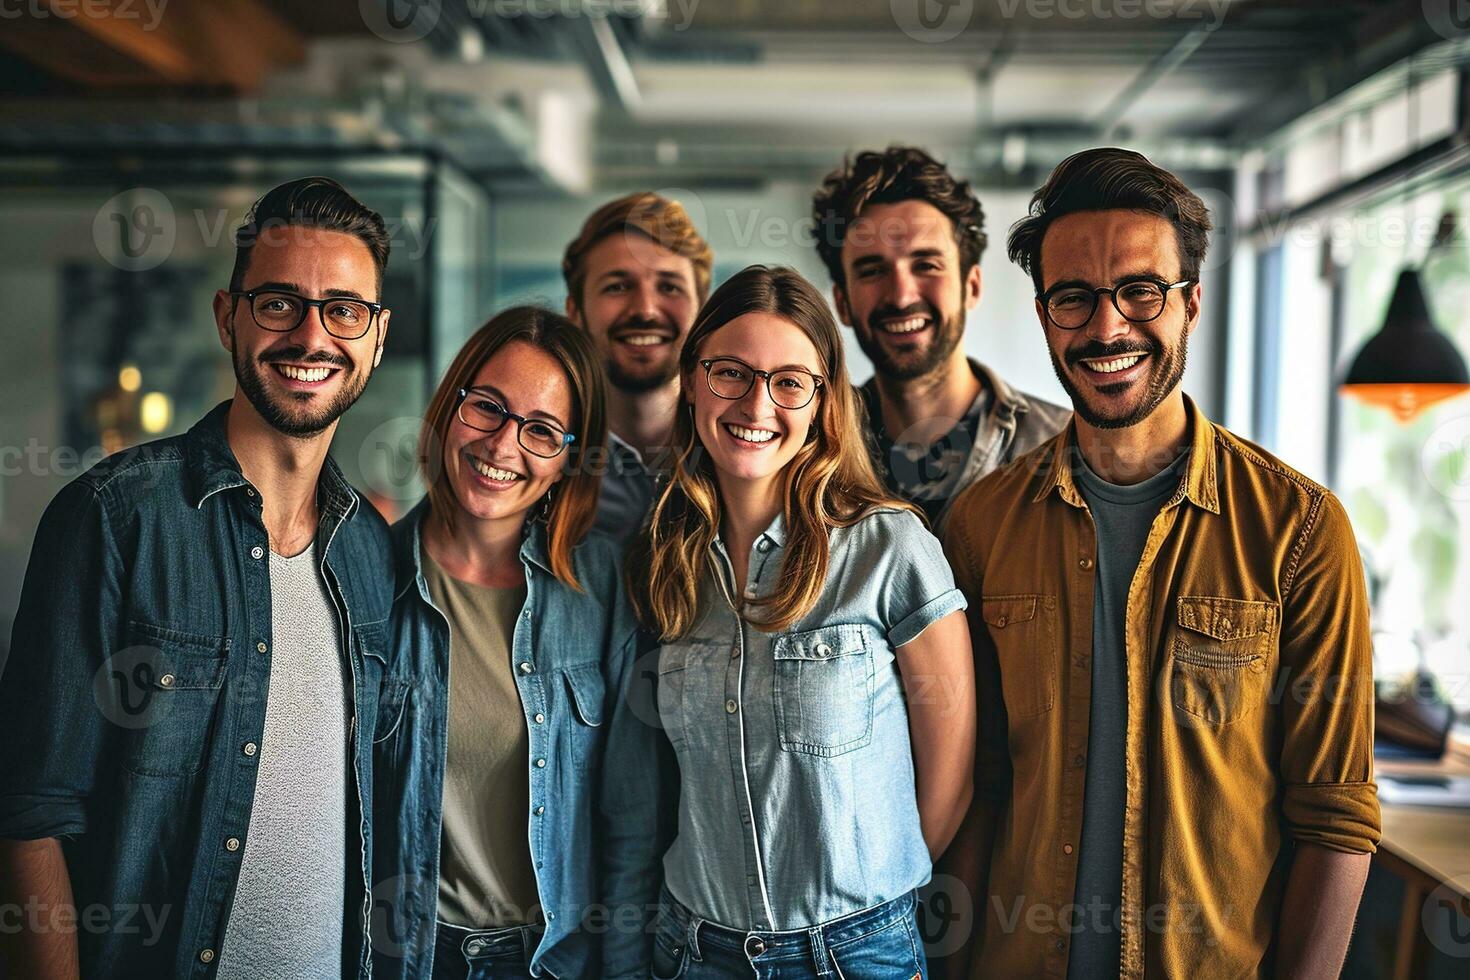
(763, 545)
(1066, 848)
(1084, 562)
(525, 668)
(735, 652)
(257, 552)
(731, 706)
(539, 810)
(249, 491)
(540, 763)
(1001, 622)
(250, 748)
(167, 680)
(540, 718)
(232, 843)
(206, 956)
(261, 647)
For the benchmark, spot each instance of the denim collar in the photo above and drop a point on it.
(408, 555)
(211, 466)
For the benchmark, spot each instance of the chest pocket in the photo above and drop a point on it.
(824, 689)
(673, 663)
(1222, 655)
(383, 696)
(162, 691)
(1023, 629)
(588, 691)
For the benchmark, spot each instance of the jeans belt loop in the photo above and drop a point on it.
(819, 951)
(691, 938)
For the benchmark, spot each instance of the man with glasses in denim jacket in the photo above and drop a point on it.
(197, 664)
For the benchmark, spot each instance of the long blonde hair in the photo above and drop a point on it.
(830, 482)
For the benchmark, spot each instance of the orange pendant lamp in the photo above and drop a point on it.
(1409, 364)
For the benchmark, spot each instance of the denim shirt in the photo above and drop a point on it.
(135, 693)
(797, 804)
(593, 795)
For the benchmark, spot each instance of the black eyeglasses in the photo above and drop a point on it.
(732, 378)
(1136, 300)
(282, 312)
(479, 410)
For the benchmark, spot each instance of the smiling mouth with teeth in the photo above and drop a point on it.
(749, 435)
(908, 325)
(304, 374)
(643, 339)
(1114, 365)
(493, 472)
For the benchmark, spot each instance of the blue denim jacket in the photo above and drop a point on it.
(134, 695)
(592, 799)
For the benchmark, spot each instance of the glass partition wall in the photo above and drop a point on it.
(108, 266)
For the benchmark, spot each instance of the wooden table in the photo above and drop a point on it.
(1428, 847)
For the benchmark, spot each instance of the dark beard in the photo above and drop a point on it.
(947, 335)
(277, 416)
(1167, 371)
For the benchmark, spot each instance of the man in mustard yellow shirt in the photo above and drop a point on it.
(1175, 767)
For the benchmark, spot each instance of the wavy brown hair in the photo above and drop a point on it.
(1108, 178)
(899, 173)
(574, 497)
(830, 482)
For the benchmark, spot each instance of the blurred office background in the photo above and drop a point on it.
(1329, 139)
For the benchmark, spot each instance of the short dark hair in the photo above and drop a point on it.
(310, 202)
(899, 173)
(1107, 179)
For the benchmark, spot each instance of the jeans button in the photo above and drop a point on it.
(754, 946)
(473, 947)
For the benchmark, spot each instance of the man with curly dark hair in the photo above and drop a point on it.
(902, 238)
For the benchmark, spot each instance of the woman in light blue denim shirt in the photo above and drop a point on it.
(516, 819)
(815, 678)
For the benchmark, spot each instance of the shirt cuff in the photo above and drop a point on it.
(1340, 816)
(925, 616)
(32, 817)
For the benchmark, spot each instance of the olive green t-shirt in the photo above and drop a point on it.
(485, 876)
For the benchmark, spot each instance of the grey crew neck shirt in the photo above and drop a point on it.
(287, 917)
(1122, 516)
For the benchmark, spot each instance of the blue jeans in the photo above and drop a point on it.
(484, 954)
(881, 943)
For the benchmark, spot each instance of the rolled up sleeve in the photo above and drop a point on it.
(1329, 797)
(917, 587)
(57, 735)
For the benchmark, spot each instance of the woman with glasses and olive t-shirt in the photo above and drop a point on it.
(514, 642)
(815, 678)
